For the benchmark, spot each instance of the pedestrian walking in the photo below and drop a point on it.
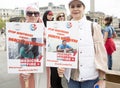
(108, 35)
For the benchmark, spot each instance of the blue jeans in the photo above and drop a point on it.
(85, 84)
(109, 62)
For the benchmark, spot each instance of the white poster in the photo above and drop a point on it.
(62, 44)
(24, 47)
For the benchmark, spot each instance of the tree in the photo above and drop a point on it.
(2, 23)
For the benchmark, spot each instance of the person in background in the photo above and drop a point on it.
(62, 83)
(60, 17)
(108, 35)
(3, 31)
(55, 79)
(47, 16)
(92, 66)
(88, 18)
(35, 80)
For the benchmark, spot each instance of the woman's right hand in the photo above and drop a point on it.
(61, 71)
(25, 75)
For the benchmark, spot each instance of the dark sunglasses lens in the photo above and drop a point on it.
(36, 14)
(61, 16)
(29, 13)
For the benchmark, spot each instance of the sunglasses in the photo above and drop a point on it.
(77, 6)
(61, 15)
(36, 14)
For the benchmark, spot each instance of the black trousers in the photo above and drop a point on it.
(55, 79)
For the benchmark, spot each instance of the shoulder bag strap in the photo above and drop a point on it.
(92, 29)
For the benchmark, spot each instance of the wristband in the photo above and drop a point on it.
(102, 79)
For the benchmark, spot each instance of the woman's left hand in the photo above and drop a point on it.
(26, 76)
(101, 84)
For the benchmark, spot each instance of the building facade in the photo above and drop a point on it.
(115, 22)
(6, 14)
(54, 9)
(96, 16)
(99, 16)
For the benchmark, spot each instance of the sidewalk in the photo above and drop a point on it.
(2, 42)
(7, 80)
(116, 55)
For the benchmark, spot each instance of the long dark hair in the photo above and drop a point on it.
(45, 17)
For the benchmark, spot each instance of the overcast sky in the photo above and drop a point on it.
(109, 7)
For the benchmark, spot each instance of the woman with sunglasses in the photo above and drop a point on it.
(93, 64)
(35, 80)
(60, 17)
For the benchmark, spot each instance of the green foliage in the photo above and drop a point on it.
(2, 23)
(118, 35)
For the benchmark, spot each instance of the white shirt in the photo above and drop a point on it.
(87, 66)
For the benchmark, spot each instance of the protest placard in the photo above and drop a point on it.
(61, 44)
(24, 47)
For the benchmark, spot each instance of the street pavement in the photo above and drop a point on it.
(12, 81)
(2, 42)
(116, 55)
(6, 80)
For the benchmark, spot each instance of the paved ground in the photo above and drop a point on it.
(116, 56)
(6, 80)
(11, 80)
(2, 42)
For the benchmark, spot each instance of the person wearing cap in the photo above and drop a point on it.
(54, 78)
(60, 16)
(34, 80)
(47, 16)
(92, 59)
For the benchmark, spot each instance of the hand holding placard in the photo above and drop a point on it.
(61, 72)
